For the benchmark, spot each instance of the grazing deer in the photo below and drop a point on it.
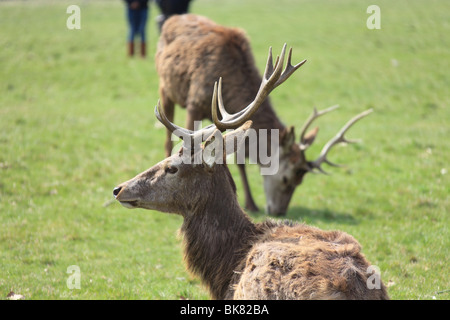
(234, 257)
(194, 52)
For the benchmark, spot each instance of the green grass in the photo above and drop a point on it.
(76, 119)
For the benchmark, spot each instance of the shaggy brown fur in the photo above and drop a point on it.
(302, 262)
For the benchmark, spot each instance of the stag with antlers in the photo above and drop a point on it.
(234, 257)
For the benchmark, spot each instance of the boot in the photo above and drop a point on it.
(143, 49)
(130, 49)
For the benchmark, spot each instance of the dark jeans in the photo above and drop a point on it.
(137, 20)
(171, 7)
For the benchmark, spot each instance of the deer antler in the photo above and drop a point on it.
(180, 132)
(303, 143)
(338, 138)
(272, 78)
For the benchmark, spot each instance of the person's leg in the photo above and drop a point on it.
(131, 16)
(143, 15)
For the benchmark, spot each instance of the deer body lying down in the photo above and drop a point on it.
(237, 259)
(193, 52)
(234, 257)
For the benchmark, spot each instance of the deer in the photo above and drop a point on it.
(234, 257)
(192, 53)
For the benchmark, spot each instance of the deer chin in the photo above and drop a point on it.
(130, 204)
(138, 204)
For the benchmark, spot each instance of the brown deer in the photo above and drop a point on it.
(234, 257)
(193, 52)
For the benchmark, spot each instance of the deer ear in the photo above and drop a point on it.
(308, 139)
(288, 136)
(212, 152)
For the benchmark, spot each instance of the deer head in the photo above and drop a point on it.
(178, 184)
(293, 164)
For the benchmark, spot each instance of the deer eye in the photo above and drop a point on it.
(171, 170)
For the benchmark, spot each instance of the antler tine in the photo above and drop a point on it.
(289, 70)
(316, 114)
(161, 116)
(217, 97)
(269, 64)
(271, 72)
(338, 138)
(223, 112)
(273, 77)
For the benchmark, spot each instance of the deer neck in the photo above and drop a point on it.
(217, 237)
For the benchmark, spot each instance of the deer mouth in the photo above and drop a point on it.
(129, 204)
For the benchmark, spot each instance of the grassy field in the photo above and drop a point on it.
(76, 119)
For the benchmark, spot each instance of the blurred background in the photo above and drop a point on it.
(76, 119)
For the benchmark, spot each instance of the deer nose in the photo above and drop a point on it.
(116, 191)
